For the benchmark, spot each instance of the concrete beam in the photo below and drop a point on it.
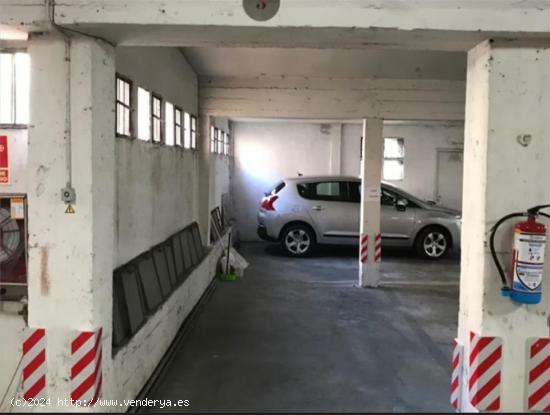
(332, 98)
(425, 24)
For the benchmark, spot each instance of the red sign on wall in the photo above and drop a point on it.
(4, 161)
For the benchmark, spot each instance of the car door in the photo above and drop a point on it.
(397, 224)
(326, 204)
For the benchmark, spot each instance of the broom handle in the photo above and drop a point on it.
(228, 249)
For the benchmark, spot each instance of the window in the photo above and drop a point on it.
(193, 132)
(14, 88)
(177, 126)
(144, 114)
(330, 191)
(187, 130)
(221, 141)
(226, 145)
(394, 157)
(214, 134)
(156, 113)
(123, 107)
(169, 123)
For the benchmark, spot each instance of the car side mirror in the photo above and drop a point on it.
(401, 205)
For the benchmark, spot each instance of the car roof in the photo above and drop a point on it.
(325, 177)
(331, 177)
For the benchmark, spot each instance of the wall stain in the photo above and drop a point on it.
(44, 273)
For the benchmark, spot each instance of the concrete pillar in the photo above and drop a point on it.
(371, 173)
(335, 137)
(71, 256)
(205, 175)
(508, 95)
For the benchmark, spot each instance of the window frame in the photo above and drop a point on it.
(194, 122)
(401, 143)
(226, 144)
(178, 127)
(342, 197)
(155, 96)
(130, 107)
(173, 124)
(186, 115)
(15, 125)
(148, 112)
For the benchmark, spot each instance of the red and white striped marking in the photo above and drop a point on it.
(456, 377)
(378, 247)
(86, 375)
(538, 381)
(363, 250)
(485, 367)
(34, 364)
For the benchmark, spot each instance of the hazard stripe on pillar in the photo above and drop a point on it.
(538, 379)
(34, 364)
(86, 370)
(378, 247)
(456, 377)
(485, 368)
(363, 250)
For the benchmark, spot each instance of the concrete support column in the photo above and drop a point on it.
(335, 148)
(371, 174)
(205, 175)
(508, 95)
(71, 256)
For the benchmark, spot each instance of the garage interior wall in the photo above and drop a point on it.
(221, 167)
(267, 151)
(156, 189)
(157, 195)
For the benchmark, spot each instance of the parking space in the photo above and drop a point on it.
(296, 335)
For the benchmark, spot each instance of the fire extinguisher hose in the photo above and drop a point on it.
(492, 243)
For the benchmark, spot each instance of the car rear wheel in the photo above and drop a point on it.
(298, 240)
(433, 243)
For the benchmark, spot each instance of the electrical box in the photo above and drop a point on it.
(13, 247)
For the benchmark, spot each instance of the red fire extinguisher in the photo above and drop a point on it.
(525, 282)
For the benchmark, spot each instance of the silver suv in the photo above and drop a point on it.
(301, 212)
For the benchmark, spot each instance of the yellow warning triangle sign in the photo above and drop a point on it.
(69, 210)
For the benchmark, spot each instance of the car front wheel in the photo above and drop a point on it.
(433, 243)
(298, 240)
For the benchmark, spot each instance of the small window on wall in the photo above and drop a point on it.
(394, 159)
(169, 123)
(156, 113)
(214, 139)
(187, 130)
(226, 145)
(177, 126)
(144, 114)
(14, 88)
(123, 107)
(193, 132)
(221, 141)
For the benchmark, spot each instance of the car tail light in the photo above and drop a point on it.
(267, 202)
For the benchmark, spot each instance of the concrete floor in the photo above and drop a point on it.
(296, 335)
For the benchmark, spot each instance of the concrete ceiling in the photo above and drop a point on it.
(327, 63)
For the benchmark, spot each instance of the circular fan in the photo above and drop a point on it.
(10, 237)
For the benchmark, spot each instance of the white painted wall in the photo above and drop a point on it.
(156, 189)
(220, 167)
(421, 144)
(267, 151)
